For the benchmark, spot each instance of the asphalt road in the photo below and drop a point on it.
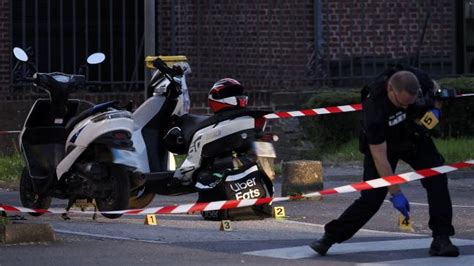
(188, 239)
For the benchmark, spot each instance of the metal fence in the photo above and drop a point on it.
(60, 34)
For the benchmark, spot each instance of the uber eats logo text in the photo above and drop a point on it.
(250, 194)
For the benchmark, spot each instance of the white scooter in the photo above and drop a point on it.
(68, 145)
(221, 150)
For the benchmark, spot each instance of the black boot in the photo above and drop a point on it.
(322, 245)
(442, 246)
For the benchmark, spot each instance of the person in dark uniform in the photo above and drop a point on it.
(391, 131)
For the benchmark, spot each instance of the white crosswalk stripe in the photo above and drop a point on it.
(432, 261)
(301, 252)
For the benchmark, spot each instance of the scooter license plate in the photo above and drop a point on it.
(264, 149)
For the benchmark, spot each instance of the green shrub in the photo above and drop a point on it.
(10, 167)
(329, 132)
(456, 149)
(457, 116)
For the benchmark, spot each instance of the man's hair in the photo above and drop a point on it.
(405, 81)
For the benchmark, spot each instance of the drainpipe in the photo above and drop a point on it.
(150, 37)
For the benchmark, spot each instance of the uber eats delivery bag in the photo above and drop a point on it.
(244, 183)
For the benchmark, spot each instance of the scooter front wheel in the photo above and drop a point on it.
(29, 198)
(117, 199)
(142, 198)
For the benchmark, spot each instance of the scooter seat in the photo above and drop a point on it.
(189, 124)
(88, 112)
(189, 129)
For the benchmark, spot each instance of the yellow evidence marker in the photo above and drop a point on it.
(429, 120)
(406, 225)
(150, 219)
(279, 212)
(225, 226)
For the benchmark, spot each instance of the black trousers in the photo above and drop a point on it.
(423, 155)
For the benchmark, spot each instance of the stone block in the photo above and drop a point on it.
(301, 177)
(26, 233)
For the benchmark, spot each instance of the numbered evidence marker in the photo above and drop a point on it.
(406, 225)
(429, 120)
(225, 226)
(279, 212)
(150, 219)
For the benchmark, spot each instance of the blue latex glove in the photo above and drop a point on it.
(436, 112)
(400, 203)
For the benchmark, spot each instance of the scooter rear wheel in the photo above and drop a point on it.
(118, 198)
(29, 198)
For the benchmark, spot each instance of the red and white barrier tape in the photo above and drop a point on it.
(317, 111)
(2, 132)
(328, 110)
(465, 95)
(230, 204)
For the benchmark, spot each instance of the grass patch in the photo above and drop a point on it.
(179, 159)
(453, 150)
(346, 152)
(10, 168)
(4, 220)
(456, 150)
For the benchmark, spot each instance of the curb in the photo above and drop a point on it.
(26, 233)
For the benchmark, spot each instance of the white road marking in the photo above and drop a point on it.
(432, 261)
(106, 236)
(301, 252)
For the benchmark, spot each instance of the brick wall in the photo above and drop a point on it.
(268, 44)
(391, 28)
(264, 44)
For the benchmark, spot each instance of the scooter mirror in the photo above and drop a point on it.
(20, 54)
(96, 58)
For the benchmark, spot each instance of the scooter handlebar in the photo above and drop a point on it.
(57, 80)
(165, 69)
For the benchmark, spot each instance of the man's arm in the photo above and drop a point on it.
(379, 154)
(399, 201)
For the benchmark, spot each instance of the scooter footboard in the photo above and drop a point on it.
(163, 183)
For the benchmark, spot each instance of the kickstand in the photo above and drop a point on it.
(65, 215)
(17, 217)
(94, 216)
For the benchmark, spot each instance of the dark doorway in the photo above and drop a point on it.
(60, 34)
